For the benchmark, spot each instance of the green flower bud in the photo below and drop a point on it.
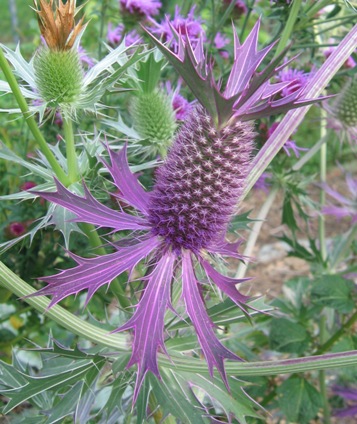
(346, 104)
(154, 120)
(59, 77)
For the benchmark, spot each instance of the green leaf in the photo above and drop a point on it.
(234, 404)
(288, 336)
(334, 291)
(174, 397)
(299, 400)
(288, 217)
(36, 385)
(10, 377)
(241, 222)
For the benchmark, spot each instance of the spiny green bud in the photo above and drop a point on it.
(154, 120)
(59, 77)
(346, 104)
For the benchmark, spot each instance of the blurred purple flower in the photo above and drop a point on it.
(289, 145)
(15, 229)
(190, 28)
(141, 7)
(115, 35)
(297, 78)
(85, 59)
(348, 394)
(263, 182)
(220, 41)
(348, 205)
(180, 105)
(180, 226)
(350, 62)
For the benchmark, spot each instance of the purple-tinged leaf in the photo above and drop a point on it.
(89, 210)
(130, 189)
(93, 273)
(148, 320)
(214, 351)
(227, 285)
(224, 248)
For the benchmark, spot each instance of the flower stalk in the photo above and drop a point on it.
(30, 120)
(289, 27)
(72, 162)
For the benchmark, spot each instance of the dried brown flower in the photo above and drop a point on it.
(57, 25)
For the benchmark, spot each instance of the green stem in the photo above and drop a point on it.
(289, 27)
(30, 121)
(340, 333)
(96, 335)
(72, 163)
(322, 376)
(253, 235)
(323, 170)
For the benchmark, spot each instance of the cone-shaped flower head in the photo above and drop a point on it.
(343, 112)
(181, 225)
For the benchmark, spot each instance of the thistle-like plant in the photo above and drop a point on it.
(54, 77)
(180, 226)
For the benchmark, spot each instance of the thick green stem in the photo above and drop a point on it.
(30, 120)
(72, 162)
(289, 27)
(96, 335)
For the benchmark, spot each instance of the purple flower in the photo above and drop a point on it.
(181, 106)
(350, 62)
(85, 59)
(297, 78)
(289, 145)
(348, 394)
(220, 41)
(180, 226)
(141, 7)
(263, 182)
(348, 205)
(115, 35)
(190, 28)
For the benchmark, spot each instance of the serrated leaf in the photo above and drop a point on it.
(142, 402)
(299, 400)
(241, 222)
(334, 291)
(61, 219)
(234, 404)
(175, 399)
(10, 377)
(288, 217)
(37, 385)
(288, 336)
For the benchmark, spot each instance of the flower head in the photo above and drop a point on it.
(342, 112)
(297, 78)
(141, 7)
(180, 226)
(116, 35)
(189, 27)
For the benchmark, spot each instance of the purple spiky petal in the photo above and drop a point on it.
(214, 351)
(226, 284)
(148, 320)
(92, 273)
(130, 189)
(89, 210)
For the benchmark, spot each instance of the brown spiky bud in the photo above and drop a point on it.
(57, 24)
